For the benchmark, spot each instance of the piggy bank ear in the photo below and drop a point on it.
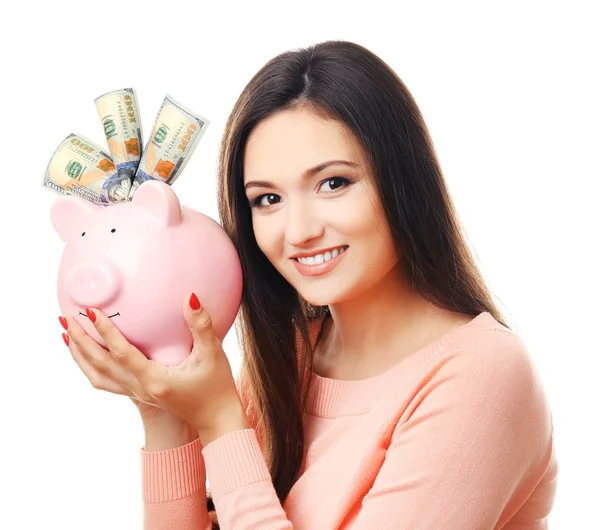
(69, 215)
(160, 200)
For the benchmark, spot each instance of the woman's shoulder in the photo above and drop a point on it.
(497, 367)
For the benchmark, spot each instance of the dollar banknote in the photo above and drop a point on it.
(174, 138)
(120, 116)
(80, 167)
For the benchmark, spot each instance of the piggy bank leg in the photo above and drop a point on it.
(169, 355)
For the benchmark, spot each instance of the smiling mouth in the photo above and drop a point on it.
(119, 314)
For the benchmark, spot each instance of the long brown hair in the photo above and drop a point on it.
(346, 82)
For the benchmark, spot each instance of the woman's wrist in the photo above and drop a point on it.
(166, 431)
(234, 420)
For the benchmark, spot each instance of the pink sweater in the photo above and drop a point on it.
(457, 436)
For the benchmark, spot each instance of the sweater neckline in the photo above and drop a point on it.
(330, 398)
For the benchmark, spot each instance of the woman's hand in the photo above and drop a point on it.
(201, 390)
(101, 381)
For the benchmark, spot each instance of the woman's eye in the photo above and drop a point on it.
(342, 180)
(258, 202)
(334, 183)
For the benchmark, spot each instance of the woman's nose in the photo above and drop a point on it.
(302, 224)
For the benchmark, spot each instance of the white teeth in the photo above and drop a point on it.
(322, 258)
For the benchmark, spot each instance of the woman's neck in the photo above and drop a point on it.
(367, 335)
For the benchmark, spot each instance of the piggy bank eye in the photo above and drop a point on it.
(82, 234)
(113, 230)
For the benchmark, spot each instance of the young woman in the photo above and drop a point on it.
(380, 386)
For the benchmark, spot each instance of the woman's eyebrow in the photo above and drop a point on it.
(306, 175)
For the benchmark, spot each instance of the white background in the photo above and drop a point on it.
(510, 94)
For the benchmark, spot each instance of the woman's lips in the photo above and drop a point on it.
(321, 268)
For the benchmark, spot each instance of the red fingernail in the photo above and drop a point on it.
(66, 338)
(91, 315)
(63, 322)
(194, 302)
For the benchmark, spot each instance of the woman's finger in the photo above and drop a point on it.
(101, 359)
(147, 373)
(97, 379)
(100, 381)
(198, 320)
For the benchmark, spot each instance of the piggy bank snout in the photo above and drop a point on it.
(93, 283)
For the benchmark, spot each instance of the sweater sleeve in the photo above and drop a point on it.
(174, 485)
(174, 489)
(241, 485)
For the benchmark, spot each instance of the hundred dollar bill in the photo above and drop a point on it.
(80, 167)
(174, 138)
(120, 116)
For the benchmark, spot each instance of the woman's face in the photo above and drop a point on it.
(296, 209)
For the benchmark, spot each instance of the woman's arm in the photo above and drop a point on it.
(173, 476)
(167, 432)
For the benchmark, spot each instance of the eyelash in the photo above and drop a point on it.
(255, 203)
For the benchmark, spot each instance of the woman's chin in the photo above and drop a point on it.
(318, 300)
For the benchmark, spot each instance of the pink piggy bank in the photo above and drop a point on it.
(138, 261)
